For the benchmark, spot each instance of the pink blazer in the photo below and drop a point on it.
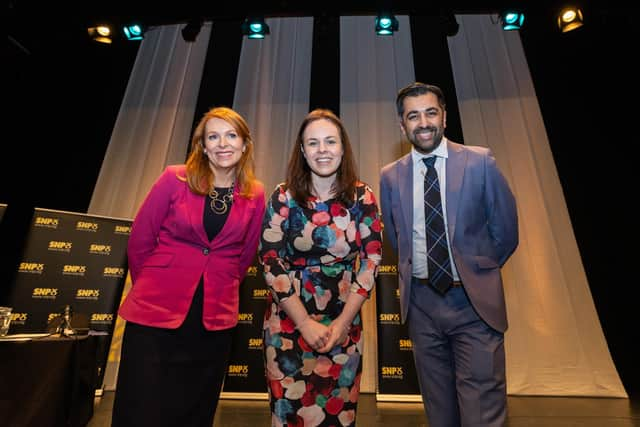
(168, 252)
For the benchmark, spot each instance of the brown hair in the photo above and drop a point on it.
(299, 181)
(200, 177)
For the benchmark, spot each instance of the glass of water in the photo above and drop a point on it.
(5, 320)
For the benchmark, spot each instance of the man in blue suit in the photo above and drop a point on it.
(457, 334)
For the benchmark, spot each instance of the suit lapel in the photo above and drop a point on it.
(405, 181)
(456, 161)
(196, 207)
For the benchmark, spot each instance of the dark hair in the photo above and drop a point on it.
(200, 177)
(416, 89)
(299, 173)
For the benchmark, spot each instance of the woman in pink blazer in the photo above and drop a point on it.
(191, 243)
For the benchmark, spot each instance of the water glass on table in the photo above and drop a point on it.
(5, 320)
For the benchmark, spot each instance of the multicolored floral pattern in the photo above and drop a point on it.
(320, 252)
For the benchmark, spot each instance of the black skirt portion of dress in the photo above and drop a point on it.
(171, 377)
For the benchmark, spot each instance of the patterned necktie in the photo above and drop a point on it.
(438, 262)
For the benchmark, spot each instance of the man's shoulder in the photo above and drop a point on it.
(394, 164)
(473, 149)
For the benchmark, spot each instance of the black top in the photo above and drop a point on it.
(213, 222)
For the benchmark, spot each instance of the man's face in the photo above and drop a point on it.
(423, 122)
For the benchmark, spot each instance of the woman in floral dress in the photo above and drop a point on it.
(320, 249)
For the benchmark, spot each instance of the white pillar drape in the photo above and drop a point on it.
(152, 130)
(153, 127)
(554, 345)
(272, 92)
(372, 70)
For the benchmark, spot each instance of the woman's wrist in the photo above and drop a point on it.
(344, 325)
(303, 322)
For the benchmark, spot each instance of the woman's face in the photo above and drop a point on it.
(322, 147)
(223, 145)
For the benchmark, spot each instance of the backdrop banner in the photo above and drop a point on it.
(245, 377)
(397, 380)
(76, 260)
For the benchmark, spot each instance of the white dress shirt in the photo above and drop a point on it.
(419, 257)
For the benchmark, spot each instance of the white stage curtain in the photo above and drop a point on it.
(554, 345)
(272, 92)
(153, 127)
(152, 130)
(372, 70)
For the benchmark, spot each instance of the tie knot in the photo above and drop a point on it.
(429, 161)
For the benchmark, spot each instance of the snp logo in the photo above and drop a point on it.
(74, 270)
(252, 270)
(42, 221)
(392, 372)
(255, 343)
(388, 269)
(19, 318)
(260, 293)
(93, 294)
(87, 226)
(122, 229)
(102, 318)
(405, 344)
(100, 249)
(45, 293)
(245, 318)
(113, 272)
(52, 316)
(60, 246)
(238, 370)
(31, 267)
(389, 318)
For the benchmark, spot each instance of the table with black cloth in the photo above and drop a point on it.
(47, 381)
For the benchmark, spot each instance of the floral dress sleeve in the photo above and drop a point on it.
(272, 248)
(370, 241)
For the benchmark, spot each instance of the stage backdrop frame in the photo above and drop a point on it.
(245, 378)
(73, 259)
(397, 377)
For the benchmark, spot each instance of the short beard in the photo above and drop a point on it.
(438, 136)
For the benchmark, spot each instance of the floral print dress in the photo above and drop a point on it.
(320, 252)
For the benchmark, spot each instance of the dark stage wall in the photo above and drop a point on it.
(65, 92)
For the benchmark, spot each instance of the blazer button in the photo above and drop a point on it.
(205, 251)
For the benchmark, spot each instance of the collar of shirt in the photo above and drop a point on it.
(440, 151)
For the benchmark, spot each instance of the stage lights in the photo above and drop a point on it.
(133, 32)
(255, 28)
(101, 34)
(569, 19)
(386, 24)
(511, 19)
(104, 33)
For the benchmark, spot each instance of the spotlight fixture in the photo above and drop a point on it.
(386, 24)
(569, 19)
(133, 32)
(511, 19)
(100, 33)
(255, 28)
(191, 30)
